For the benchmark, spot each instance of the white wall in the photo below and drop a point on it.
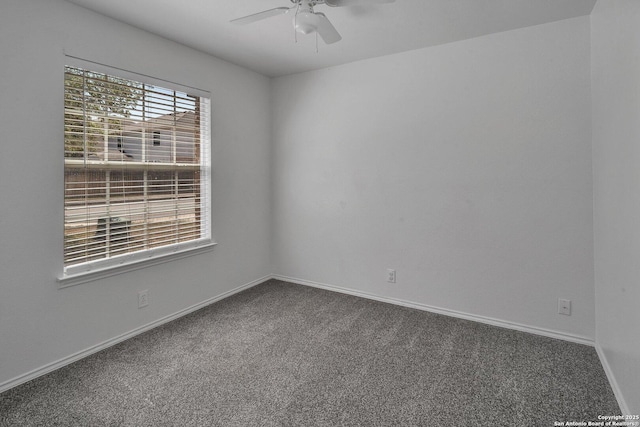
(615, 29)
(39, 323)
(466, 167)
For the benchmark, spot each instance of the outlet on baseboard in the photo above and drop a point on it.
(564, 306)
(143, 298)
(391, 275)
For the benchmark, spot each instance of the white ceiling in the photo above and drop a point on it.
(268, 46)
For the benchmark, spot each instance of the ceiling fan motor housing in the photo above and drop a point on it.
(309, 3)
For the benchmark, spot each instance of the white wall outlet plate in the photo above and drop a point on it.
(564, 306)
(143, 298)
(391, 275)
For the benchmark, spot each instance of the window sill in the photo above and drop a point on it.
(89, 276)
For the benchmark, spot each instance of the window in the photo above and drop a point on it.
(156, 138)
(136, 160)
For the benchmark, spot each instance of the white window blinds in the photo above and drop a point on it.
(136, 159)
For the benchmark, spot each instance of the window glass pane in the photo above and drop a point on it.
(133, 167)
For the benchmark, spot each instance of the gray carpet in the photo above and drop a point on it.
(281, 354)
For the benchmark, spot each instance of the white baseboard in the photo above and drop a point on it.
(113, 341)
(453, 313)
(447, 312)
(612, 380)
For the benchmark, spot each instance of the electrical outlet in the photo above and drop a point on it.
(564, 306)
(391, 275)
(143, 298)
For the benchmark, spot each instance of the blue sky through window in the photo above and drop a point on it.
(159, 101)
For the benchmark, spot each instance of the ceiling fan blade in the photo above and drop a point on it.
(326, 30)
(261, 15)
(342, 3)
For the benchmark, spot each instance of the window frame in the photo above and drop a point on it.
(118, 264)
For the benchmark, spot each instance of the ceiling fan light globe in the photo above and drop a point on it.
(306, 22)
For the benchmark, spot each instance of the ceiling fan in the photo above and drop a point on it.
(305, 20)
